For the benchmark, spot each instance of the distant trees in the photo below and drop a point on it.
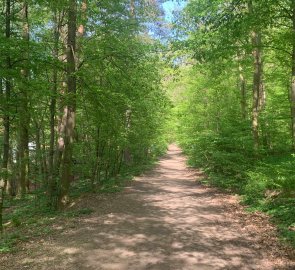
(230, 33)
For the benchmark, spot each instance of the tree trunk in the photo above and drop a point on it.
(23, 109)
(127, 152)
(292, 88)
(11, 187)
(132, 8)
(69, 110)
(6, 118)
(258, 85)
(242, 86)
(52, 185)
(81, 33)
(44, 159)
(81, 28)
(39, 156)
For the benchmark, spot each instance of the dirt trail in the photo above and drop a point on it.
(165, 220)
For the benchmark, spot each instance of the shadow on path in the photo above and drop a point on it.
(165, 220)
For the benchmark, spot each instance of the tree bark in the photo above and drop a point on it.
(6, 118)
(258, 101)
(62, 116)
(52, 185)
(292, 89)
(81, 28)
(23, 109)
(39, 155)
(242, 86)
(257, 84)
(70, 107)
(132, 8)
(127, 153)
(81, 34)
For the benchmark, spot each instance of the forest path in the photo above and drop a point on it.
(165, 220)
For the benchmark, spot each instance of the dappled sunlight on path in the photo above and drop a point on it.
(165, 220)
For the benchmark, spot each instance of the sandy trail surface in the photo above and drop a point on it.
(164, 220)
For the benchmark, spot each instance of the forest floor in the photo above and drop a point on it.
(165, 219)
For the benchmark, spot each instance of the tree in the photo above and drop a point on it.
(6, 116)
(24, 118)
(258, 85)
(69, 116)
(292, 95)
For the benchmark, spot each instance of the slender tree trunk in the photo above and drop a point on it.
(292, 89)
(132, 8)
(100, 164)
(258, 87)
(11, 187)
(52, 185)
(44, 159)
(61, 104)
(39, 155)
(127, 156)
(206, 106)
(243, 96)
(6, 118)
(127, 152)
(70, 108)
(23, 109)
(97, 159)
(81, 33)
(81, 28)
(242, 86)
